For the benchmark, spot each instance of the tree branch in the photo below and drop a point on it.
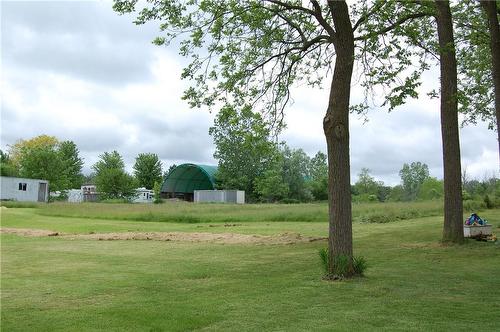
(321, 20)
(291, 7)
(369, 13)
(394, 25)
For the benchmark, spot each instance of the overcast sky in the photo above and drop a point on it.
(80, 72)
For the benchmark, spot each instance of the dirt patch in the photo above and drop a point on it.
(224, 238)
(28, 232)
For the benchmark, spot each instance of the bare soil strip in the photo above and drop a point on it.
(224, 238)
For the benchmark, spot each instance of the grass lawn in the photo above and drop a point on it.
(413, 283)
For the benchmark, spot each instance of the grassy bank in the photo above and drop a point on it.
(413, 283)
(182, 212)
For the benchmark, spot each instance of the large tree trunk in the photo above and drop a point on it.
(490, 9)
(453, 213)
(336, 128)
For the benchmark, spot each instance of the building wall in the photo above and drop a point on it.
(219, 196)
(75, 196)
(23, 190)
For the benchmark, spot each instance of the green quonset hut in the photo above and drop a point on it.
(183, 180)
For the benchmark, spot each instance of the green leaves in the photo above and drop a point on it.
(395, 44)
(147, 170)
(475, 85)
(44, 157)
(244, 148)
(412, 178)
(111, 179)
(241, 53)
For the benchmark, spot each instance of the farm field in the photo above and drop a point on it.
(258, 270)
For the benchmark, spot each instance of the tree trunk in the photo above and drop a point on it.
(490, 9)
(336, 128)
(453, 213)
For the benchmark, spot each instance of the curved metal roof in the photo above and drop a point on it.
(187, 178)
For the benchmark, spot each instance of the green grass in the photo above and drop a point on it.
(20, 205)
(412, 283)
(182, 212)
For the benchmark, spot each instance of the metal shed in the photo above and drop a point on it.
(24, 190)
(219, 196)
(183, 180)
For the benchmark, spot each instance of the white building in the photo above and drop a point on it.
(24, 190)
(143, 195)
(219, 196)
(75, 195)
(86, 193)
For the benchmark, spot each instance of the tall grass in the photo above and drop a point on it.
(20, 205)
(182, 212)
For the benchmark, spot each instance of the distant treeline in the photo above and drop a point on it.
(249, 159)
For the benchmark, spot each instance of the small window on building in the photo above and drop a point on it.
(22, 186)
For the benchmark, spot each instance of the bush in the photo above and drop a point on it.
(466, 196)
(157, 193)
(382, 217)
(342, 267)
(488, 202)
(473, 206)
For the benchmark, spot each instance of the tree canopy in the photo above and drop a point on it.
(412, 177)
(45, 157)
(243, 147)
(111, 179)
(147, 170)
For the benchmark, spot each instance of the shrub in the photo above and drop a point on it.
(157, 193)
(466, 196)
(359, 264)
(473, 206)
(488, 202)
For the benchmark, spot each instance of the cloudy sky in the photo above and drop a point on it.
(80, 72)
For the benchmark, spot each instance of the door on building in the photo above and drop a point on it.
(42, 192)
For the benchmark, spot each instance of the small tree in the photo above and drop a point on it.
(412, 177)
(431, 188)
(368, 189)
(243, 147)
(157, 193)
(7, 168)
(271, 186)
(72, 163)
(111, 179)
(147, 170)
(366, 183)
(295, 168)
(319, 176)
(44, 163)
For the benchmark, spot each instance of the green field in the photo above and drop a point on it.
(64, 283)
